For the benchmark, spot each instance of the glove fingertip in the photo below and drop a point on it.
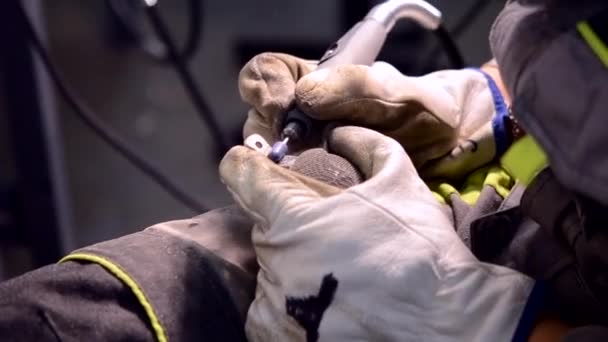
(236, 161)
(361, 146)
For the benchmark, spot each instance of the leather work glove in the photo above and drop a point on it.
(443, 119)
(379, 261)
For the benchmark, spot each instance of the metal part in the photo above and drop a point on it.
(36, 140)
(389, 12)
(360, 45)
(258, 143)
(150, 3)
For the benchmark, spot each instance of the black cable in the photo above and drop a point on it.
(194, 34)
(469, 17)
(102, 130)
(447, 38)
(202, 107)
(124, 11)
(449, 46)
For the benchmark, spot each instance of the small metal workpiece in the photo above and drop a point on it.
(258, 143)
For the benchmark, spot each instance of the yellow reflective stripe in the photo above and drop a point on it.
(443, 191)
(594, 41)
(524, 160)
(500, 180)
(439, 198)
(119, 273)
(493, 176)
(471, 189)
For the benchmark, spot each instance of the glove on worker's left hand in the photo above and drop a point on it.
(443, 119)
(379, 261)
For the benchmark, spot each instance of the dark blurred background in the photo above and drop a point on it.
(62, 187)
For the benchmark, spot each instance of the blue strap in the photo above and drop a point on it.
(501, 136)
(532, 309)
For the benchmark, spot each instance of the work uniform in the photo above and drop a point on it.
(173, 282)
(164, 283)
(194, 279)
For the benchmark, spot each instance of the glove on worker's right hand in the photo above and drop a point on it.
(430, 116)
(379, 261)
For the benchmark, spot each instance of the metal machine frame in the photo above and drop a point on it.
(38, 202)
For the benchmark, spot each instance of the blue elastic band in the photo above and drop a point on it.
(528, 318)
(501, 136)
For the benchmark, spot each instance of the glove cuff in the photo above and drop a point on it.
(499, 123)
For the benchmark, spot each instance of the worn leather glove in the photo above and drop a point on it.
(379, 261)
(443, 120)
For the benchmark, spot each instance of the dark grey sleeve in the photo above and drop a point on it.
(552, 59)
(587, 334)
(70, 302)
(186, 280)
(525, 28)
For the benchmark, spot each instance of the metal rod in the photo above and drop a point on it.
(389, 12)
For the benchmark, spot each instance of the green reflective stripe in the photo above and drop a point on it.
(443, 191)
(493, 176)
(439, 198)
(501, 181)
(524, 160)
(594, 41)
(123, 276)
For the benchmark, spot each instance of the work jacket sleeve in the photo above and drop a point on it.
(160, 284)
(70, 302)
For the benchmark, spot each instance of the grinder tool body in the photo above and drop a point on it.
(360, 45)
